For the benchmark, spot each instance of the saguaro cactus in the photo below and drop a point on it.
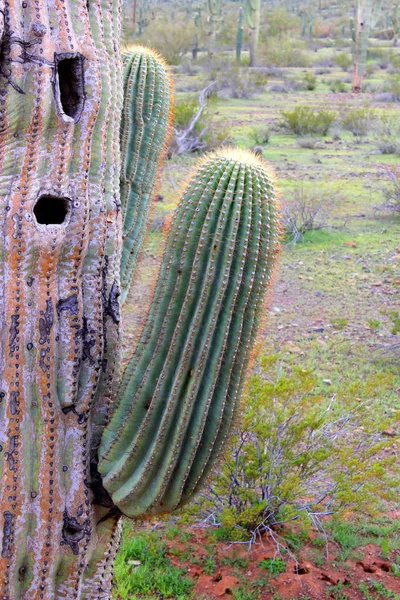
(239, 35)
(79, 445)
(252, 12)
(368, 15)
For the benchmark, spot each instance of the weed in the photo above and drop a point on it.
(339, 323)
(336, 591)
(274, 566)
(374, 590)
(310, 81)
(238, 562)
(243, 593)
(209, 566)
(374, 325)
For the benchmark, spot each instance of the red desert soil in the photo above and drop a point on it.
(302, 579)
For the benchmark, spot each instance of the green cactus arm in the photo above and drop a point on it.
(376, 14)
(178, 395)
(144, 130)
(239, 35)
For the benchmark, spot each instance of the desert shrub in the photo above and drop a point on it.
(395, 61)
(193, 135)
(308, 141)
(343, 60)
(281, 23)
(282, 52)
(304, 120)
(259, 136)
(388, 135)
(393, 88)
(308, 209)
(338, 86)
(163, 36)
(299, 456)
(184, 111)
(359, 121)
(238, 82)
(310, 81)
(390, 178)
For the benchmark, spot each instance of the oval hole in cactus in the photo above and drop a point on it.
(51, 210)
(69, 89)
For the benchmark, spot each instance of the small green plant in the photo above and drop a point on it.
(376, 590)
(274, 566)
(339, 323)
(336, 591)
(374, 325)
(243, 593)
(304, 120)
(310, 81)
(142, 568)
(209, 566)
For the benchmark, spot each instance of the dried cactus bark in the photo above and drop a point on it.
(73, 194)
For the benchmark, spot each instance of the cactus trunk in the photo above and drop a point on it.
(367, 17)
(59, 268)
(253, 9)
(79, 446)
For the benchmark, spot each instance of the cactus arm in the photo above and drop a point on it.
(149, 449)
(144, 131)
(239, 35)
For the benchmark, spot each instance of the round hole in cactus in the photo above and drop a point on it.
(51, 210)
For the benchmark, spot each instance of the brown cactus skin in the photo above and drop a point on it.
(58, 286)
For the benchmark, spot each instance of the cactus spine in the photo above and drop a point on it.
(73, 201)
(368, 15)
(252, 11)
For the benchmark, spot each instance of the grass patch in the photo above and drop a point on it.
(143, 570)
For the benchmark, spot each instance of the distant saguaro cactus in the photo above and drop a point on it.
(239, 35)
(252, 13)
(82, 132)
(367, 16)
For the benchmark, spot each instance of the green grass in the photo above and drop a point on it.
(143, 570)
